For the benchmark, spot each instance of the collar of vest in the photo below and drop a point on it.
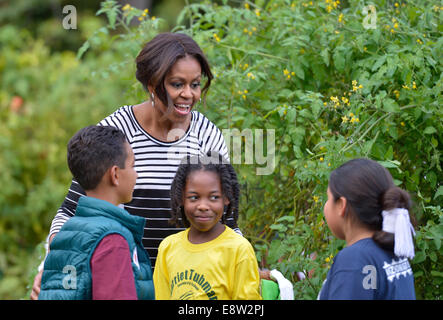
(92, 207)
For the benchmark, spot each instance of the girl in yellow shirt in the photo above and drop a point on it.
(208, 260)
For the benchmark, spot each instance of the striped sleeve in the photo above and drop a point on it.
(68, 207)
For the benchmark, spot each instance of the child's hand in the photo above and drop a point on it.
(265, 274)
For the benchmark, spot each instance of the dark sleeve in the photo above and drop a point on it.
(68, 207)
(111, 268)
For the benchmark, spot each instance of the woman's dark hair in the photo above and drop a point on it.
(212, 162)
(159, 55)
(92, 151)
(369, 189)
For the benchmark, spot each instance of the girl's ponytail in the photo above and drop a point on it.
(396, 228)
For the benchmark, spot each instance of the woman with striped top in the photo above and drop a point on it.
(161, 131)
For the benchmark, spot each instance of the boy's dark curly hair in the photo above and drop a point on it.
(92, 151)
(212, 162)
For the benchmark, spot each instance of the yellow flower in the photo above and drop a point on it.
(153, 18)
(244, 97)
(292, 73)
(419, 41)
(327, 260)
(321, 159)
(216, 37)
(245, 91)
(402, 124)
(246, 66)
(405, 87)
(286, 72)
(140, 18)
(396, 4)
(257, 12)
(316, 198)
(351, 114)
(245, 30)
(247, 6)
(288, 76)
(126, 7)
(144, 14)
(344, 119)
(146, 11)
(354, 82)
(396, 25)
(340, 17)
(392, 31)
(414, 86)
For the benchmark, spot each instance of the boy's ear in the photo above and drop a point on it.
(113, 175)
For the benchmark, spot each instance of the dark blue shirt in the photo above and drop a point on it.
(365, 271)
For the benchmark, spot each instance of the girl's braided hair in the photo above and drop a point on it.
(213, 162)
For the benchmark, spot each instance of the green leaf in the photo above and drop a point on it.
(390, 105)
(339, 60)
(298, 69)
(381, 60)
(430, 130)
(389, 164)
(83, 49)
(325, 55)
(439, 192)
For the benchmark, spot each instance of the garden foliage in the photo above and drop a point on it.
(331, 82)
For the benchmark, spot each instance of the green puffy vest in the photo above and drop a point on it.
(67, 272)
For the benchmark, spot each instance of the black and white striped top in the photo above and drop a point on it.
(156, 163)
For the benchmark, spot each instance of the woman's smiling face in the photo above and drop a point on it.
(182, 84)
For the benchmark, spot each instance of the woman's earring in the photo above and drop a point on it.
(152, 98)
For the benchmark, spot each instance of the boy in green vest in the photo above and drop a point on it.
(98, 253)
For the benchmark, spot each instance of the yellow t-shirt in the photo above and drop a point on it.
(222, 269)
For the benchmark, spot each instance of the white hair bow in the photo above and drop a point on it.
(397, 221)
